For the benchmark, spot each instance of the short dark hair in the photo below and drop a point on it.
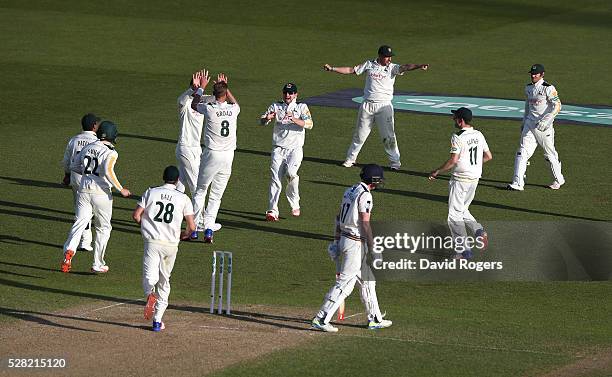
(171, 174)
(89, 121)
(219, 89)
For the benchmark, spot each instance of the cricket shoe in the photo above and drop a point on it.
(85, 248)
(67, 262)
(556, 185)
(208, 236)
(512, 187)
(150, 306)
(99, 269)
(194, 235)
(271, 216)
(373, 325)
(296, 212)
(395, 166)
(318, 325)
(216, 227)
(158, 326)
(484, 237)
(348, 163)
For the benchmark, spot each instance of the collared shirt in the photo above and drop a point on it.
(190, 120)
(73, 149)
(356, 199)
(379, 80)
(542, 103)
(164, 209)
(470, 144)
(220, 125)
(287, 134)
(96, 164)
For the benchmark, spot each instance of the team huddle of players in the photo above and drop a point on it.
(90, 157)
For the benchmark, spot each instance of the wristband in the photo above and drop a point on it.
(200, 92)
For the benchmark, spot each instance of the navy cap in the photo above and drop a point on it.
(463, 113)
(171, 174)
(290, 88)
(536, 68)
(372, 173)
(88, 121)
(385, 50)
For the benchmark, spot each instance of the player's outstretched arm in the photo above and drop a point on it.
(200, 80)
(412, 67)
(341, 70)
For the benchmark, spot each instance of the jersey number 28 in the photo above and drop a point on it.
(165, 213)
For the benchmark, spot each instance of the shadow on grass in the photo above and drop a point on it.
(444, 199)
(254, 317)
(45, 268)
(37, 317)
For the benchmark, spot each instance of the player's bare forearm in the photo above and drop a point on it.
(191, 227)
(137, 214)
(412, 67)
(487, 156)
(341, 70)
(366, 231)
(449, 164)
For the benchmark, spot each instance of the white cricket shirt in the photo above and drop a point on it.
(190, 120)
(542, 104)
(470, 144)
(75, 144)
(164, 210)
(96, 164)
(356, 199)
(379, 80)
(287, 134)
(220, 125)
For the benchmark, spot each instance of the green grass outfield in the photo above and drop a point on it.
(128, 61)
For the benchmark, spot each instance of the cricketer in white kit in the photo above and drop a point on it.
(89, 123)
(354, 241)
(96, 164)
(376, 106)
(221, 121)
(541, 107)
(469, 150)
(188, 148)
(160, 213)
(291, 121)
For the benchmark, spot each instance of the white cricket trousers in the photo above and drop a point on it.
(354, 269)
(460, 196)
(157, 264)
(215, 172)
(188, 159)
(530, 139)
(285, 163)
(382, 114)
(87, 237)
(100, 206)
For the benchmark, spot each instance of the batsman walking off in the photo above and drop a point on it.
(376, 106)
(354, 241)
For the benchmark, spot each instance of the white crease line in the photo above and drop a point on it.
(220, 327)
(353, 315)
(111, 306)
